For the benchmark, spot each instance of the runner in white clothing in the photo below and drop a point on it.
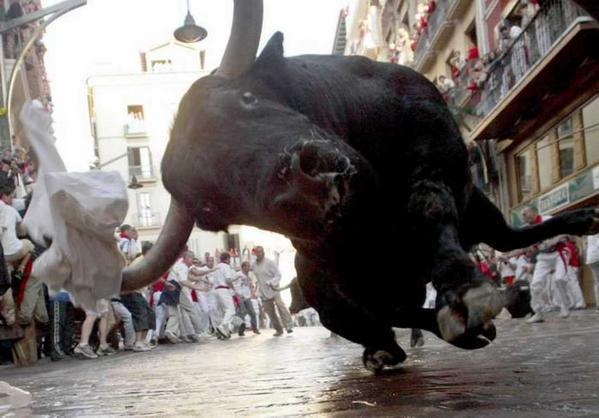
(224, 295)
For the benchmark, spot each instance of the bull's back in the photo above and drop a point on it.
(393, 115)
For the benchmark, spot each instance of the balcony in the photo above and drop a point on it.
(142, 173)
(135, 129)
(433, 36)
(146, 220)
(532, 76)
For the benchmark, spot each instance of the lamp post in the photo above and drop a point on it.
(54, 12)
(190, 32)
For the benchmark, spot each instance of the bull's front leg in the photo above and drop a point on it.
(466, 301)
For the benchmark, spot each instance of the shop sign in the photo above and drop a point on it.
(554, 199)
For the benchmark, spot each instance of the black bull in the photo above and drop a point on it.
(362, 166)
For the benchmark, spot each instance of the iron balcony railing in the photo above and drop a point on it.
(435, 20)
(146, 220)
(533, 43)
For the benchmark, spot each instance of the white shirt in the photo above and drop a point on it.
(242, 285)
(179, 273)
(521, 264)
(205, 283)
(268, 274)
(505, 268)
(9, 218)
(222, 275)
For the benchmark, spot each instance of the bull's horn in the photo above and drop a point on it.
(244, 39)
(177, 227)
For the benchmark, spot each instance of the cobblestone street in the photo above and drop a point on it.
(548, 370)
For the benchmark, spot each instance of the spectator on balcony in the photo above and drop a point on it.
(457, 64)
(504, 41)
(473, 53)
(446, 87)
(431, 6)
(478, 76)
(518, 62)
(527, 11)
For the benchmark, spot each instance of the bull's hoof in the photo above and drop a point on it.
(581, 221)
(466, 321)
(416, 339)
(376, 360)
(594, 229)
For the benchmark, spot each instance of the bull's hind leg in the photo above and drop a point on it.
(483, 222)
(466, 302)
(344, 317)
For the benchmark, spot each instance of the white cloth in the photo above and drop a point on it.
(223, 275)
(592, 253)
(204, 283)
(242, 285)
(9, 218)
(79, 213)
(506, 269)
(268, 275)
(226, 305)
(523, 268)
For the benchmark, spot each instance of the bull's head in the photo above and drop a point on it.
(239, 154)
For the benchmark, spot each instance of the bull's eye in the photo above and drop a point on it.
(248, 99)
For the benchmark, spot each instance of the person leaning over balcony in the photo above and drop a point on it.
(527, 10)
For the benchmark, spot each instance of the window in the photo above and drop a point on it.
(140, 162)
(590, 122)
(566, 148)
(144, 210)
(524, 172)
(471, 35)
(162, 65)
(136, 123)
(544, 162)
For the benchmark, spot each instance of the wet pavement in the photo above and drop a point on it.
(541, 370)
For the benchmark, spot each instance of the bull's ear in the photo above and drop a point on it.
(272, 54)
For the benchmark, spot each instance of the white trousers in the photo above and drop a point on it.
(574, 290)
(548, 264)
(224, 299)
(208, 307)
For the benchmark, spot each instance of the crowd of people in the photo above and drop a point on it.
(550, 270)
(470, 72)
(197, 300)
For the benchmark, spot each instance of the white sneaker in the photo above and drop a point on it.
(223, 332)
(140, 347)
(537, 317)
(169, 335)
(85, 351)
(564, 312)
